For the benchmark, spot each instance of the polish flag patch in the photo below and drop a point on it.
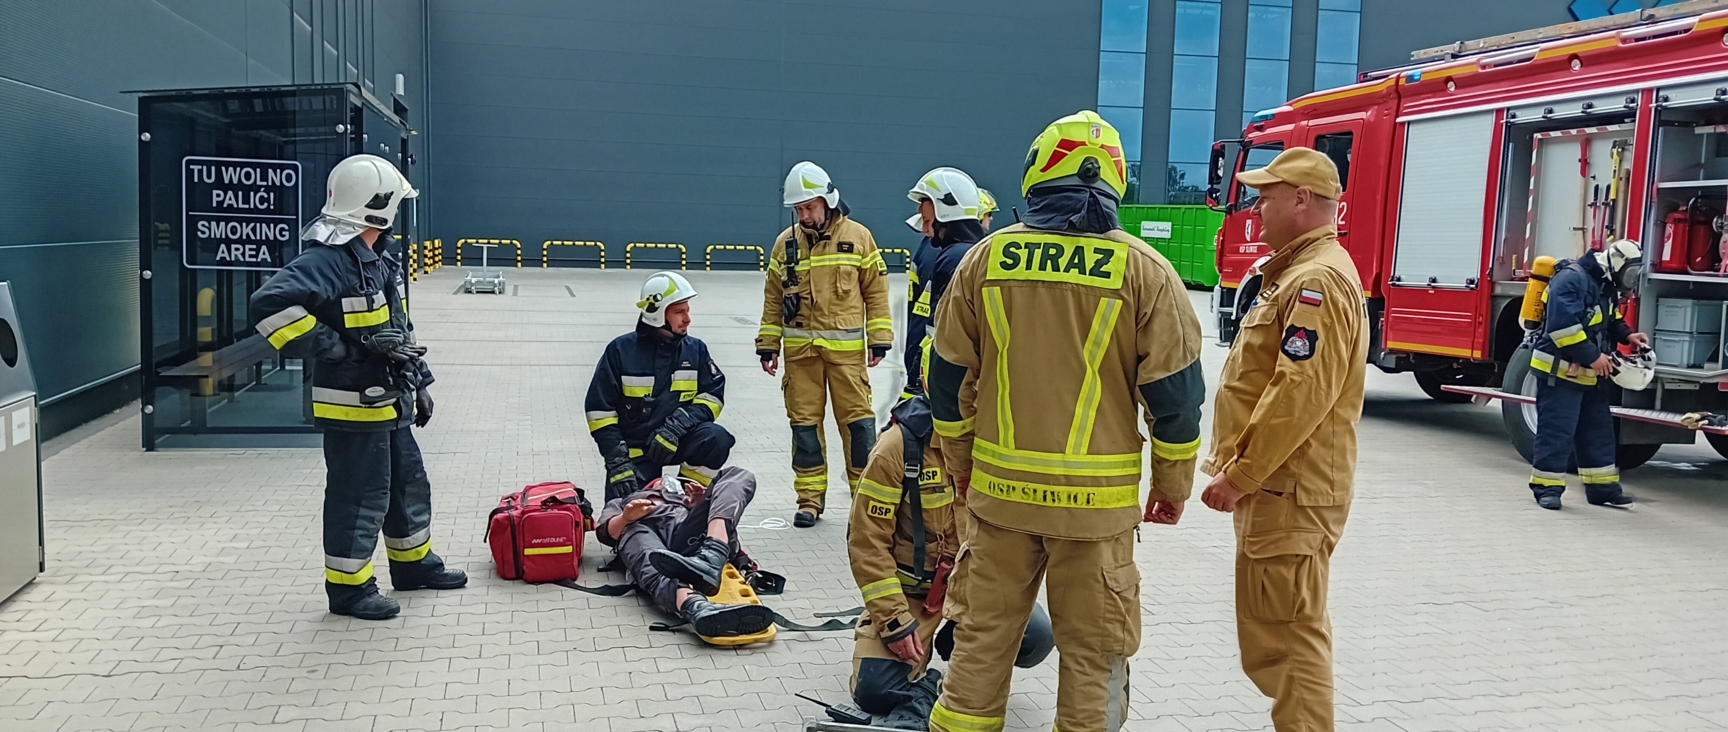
(1310, 297)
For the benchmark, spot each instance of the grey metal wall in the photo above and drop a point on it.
(1391, 29)
(68, 155)
(676, 120)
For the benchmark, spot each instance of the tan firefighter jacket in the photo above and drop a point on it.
(842, 288)
(1291, 392)
(880, 531)
(1047, 346)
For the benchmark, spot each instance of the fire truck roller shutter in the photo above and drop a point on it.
(1445, 182)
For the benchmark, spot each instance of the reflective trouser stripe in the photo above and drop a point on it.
(881, 588)
(345, 571)
(287, 325)
(953, 721)
(810, 482)
(1086, 406)
(1545, 478)
(1058, 496)
(1174, 450)
(996, 314)
(1599, 476)
(408, 555)
(702, 475)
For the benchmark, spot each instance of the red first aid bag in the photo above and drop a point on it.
(536, 533)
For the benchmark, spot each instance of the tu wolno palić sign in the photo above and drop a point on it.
(239, 213)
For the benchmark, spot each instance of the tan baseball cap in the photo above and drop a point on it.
(1303, 167)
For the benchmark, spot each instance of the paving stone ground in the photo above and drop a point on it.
(183, 588)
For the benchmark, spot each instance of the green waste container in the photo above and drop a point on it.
(1185, 235)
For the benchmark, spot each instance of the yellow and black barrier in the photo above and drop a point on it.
(905, 256)
(708, 254)
(546, 250)
(498, 242)
(630, 251)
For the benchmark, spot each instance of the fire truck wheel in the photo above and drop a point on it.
(1431, 381)
(1718, 442)
(1628, 457)
(1520, 419)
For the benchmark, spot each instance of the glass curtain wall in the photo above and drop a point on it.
(1193, 99)
(1266, 73)
(1122, 79)
(1337, 36)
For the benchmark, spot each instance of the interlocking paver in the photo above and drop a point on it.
(1457, 604)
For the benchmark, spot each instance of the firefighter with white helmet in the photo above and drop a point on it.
(656, 394)
(825, 305)
(1581, 327)
(1054, 339)
(949, 207)
(339, 307)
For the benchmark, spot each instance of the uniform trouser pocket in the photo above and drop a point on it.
(1286, 577)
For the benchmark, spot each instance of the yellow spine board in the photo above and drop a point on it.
(735, 591)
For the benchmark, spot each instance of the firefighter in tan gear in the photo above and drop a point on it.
(1050, 339)
(825, 303)
(1284, 436)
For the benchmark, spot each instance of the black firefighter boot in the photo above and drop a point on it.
(914, 713)
(716, 620)
(701, 571)
(427, 574)
(361, 601)
(1609, 495)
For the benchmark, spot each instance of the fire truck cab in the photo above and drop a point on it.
(1463, 168)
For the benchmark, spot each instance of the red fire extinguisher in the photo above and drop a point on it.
(1687, 241)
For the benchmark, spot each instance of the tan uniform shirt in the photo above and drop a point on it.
(1291, 393)
(842, 288)
(880, 530)
(1061, 337)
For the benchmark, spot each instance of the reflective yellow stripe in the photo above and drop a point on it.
(955, 429)
(1599, 476)
(1056, 496)
(714, 405)
(1595, 316)
(957, 722)
(366, 319)
(682, 385)
(836, 260)
(1176, 451)
(1056, 463)
(622, 474)
(635, 452)
(339, 577)
(998, 317)
(1568, 335)
(293, 330)
(879, 323)
(875, 258)
(1086, 406)
(769, 331)
(696, 474)
(881, 588)
(665, 443)
(871, 488)
(1548, 364)
(820, 481)
(595, 424)
(1538, 480)
(637, 391)
(937, 500)
(409, 555)
(345, 413)
(530, 551)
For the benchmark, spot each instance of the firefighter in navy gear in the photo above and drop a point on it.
(1580, 327)
(950, 208)
(655, 396)
(339, 306)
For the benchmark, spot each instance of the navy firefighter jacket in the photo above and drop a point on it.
(642, 378)
(1580, 323)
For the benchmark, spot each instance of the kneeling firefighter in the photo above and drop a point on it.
(656, 393)
(903, 540)
(339, 307)
(1581, 326)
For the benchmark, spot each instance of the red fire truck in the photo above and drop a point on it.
(1463, 168)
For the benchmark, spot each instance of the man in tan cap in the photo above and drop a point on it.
(1284, 436)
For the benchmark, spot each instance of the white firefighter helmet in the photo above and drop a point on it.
(1634, 372)
(808, 180)
(661, 291)
(1623, 261)
(366, 190)
(951, 190)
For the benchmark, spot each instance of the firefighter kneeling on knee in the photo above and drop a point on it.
(1575, 353)
(903, 539)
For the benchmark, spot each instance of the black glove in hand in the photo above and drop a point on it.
(664, 444)
(879, 351)
(396, 344)
(621, 478)
(422, 408)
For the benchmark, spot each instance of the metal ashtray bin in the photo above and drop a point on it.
(21, 555)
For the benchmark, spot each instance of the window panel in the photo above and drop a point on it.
(1124, 26)
(1127, 122)
(1191, 137)
(1194, 82)
(1259, 156)
(1196, 28)
(1283, 3)
(1121, 79)
(1269, 32)
(1264, 84)
(1337, 147)
(1185, 177)
(1338, 35)
(1353, 5)
(1331, 76)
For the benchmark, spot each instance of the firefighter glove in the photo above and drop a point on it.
(422, 408)
(879, 351)
(621, 478)
(396, 344)
(767, 356)
(664, 444)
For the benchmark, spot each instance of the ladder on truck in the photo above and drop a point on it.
(1505, 41)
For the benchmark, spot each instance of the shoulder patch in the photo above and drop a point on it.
(844, 246)
(1299, 342)
(714, 368)
(1310, 297)
(881, 510)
